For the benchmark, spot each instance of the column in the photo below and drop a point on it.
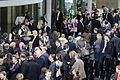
(118, 3)
(9, 20)
(49, 12)
(75, 6)
(0, 19)
(89, 6)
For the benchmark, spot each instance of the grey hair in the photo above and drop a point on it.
(34, 31)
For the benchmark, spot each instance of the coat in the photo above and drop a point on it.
(14, 71)
(80, 67)
(33, 70)
(24, 68)
(36, 41)
(80, 27)
(116, 45)
(47, 29)
(52, 69)
(41, 62)
(72, 46)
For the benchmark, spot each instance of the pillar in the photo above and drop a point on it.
(118, 3)
(0, 19)
(49, 12)
(89, 6)
(75, 6)
(9, 19)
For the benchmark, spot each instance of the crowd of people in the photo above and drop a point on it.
(86, 47)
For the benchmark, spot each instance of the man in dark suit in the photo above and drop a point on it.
(31, 25)
(64, 54)
(59, 20)
(35, 39)
(39, 58)
(106, 49)
(3, 75)
(45, 55)
(96, 23)
(87, 20)
(93, 36)
(116, 48)
(48, 75)
(80, 26)
(33, 69)
(24, 66)
(58, 45)
(44, 18)
(27, 15)
(72, 45)
(30, 46)
(52, 66)
(15, 68)
(46, 28)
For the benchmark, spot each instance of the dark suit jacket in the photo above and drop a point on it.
(65, 59)
(96, 24)
(36, 41)
(6, 51)
(93, 38)
(80, 27)
(60, 19)
(52, 69)
(33, 70)
(108, 48)
(43, 18)
(58, 49)
(47, 29)
(46, 56)
(72, 46)
(116, 44)
(24, 68)
(31, 27)
(41, 62)
(14, 71)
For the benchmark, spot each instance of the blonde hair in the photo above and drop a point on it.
(6, 45)
(72, 54)
(40, 22)
(20, 76)
(12, 44)
(117, 68)
(99, 36)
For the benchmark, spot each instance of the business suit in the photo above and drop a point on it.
(95, 24)
(65, 59)
(47, 29)
(14, 71)
(24, 68)
(41, 62)
(58, 49)
(33, 70)
(46, 56)
(93, 38)
(59, 20)
(65, 29)
(36, 41)
(80, 27)
(52, 69)
(31, 27)
(116, 48)
(86, 22)
(105, 58)
(72, 46)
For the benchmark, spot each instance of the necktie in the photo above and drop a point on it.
(13, 66)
